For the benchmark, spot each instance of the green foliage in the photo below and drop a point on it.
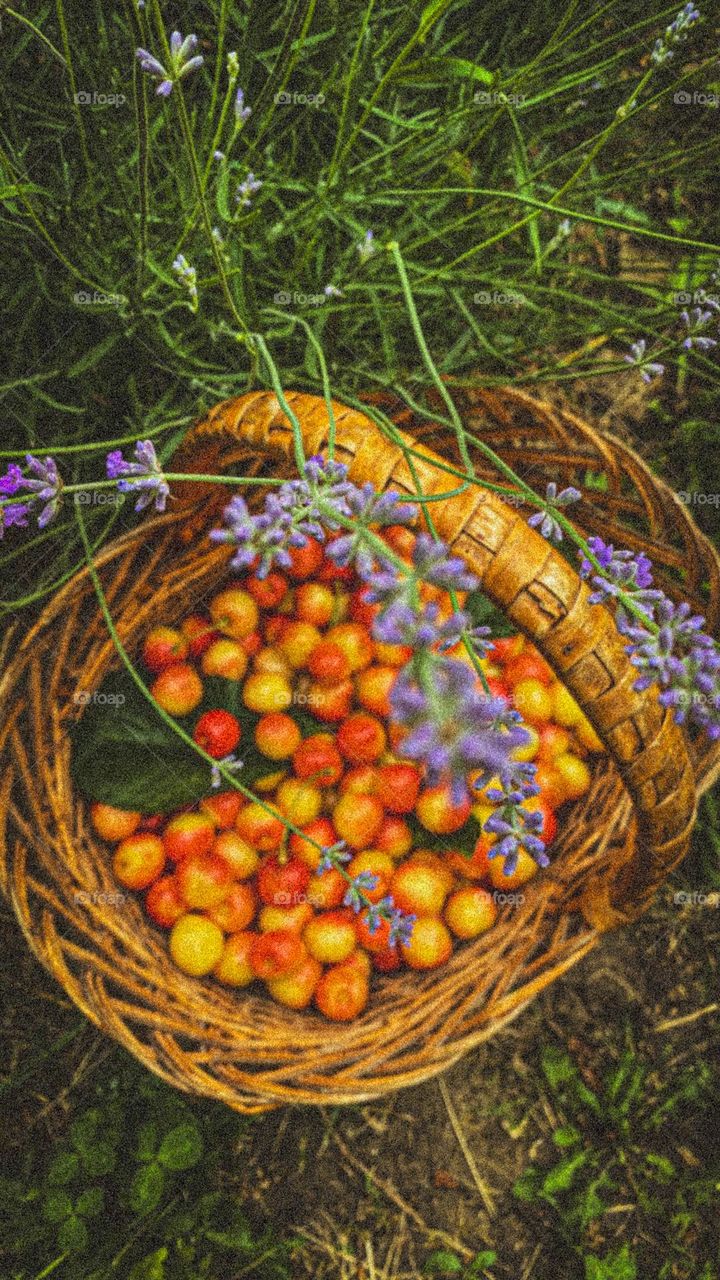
(622, 1141)
(132, 1191)
(614, 1266)
(445, 1263)
(451, 131)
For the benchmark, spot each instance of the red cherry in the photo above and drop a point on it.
(218, 733)
(528, 666)
(305, 560)
(283, 884)
(269, 591)
(277, 952)
(200, 632)
(398, 787)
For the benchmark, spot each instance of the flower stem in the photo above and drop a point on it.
(197, 179)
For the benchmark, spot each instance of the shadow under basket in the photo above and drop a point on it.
(615, 848)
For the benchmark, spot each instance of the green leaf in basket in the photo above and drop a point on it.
(485, 614)
(462, 841)
(124, 754)
(181, 1148)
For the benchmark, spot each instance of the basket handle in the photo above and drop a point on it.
(538, 590)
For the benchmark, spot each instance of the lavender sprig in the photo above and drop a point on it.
(677, 31)
(42, 487)
(183, 61)
(695, 321)
(298, 510)
(145, 476)
(516, 829)
(544, 519)
(358, 886)
(648, 368)
(187, 276)
(453, 727)
(669, 647)
(247, 189)
(242, 113)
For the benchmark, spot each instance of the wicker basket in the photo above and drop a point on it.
(618, 845)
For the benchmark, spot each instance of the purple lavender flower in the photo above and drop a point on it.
(298, 510)
(378, 911)
(14, 514)
(182, 63)
(331, 291)
(648, 368)
(480, 640)
(10, 482)
(359, 885)
(398, 623)
(43, 486)
(433, 563)
(549, 526)
(267, 535)
(144, 475)
(516, 829)
(247, 189)
(453, 727)
(401, 927)
(334, 856)
(695, 321)
(677, 31)
(622, 571)
(242, 113)
(683, 661)
(669, 649)
(367, 507)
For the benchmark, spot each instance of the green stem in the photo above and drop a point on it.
(324, 377)
(59, 8)
(259, 342)
(197, 179)
(394, 249)
(221, 29)
(74, 271)
(540, 205)
(93, 445)
(37, 32)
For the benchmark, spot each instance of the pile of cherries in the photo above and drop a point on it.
(240, 894)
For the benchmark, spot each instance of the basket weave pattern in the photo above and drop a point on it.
(617, 845)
